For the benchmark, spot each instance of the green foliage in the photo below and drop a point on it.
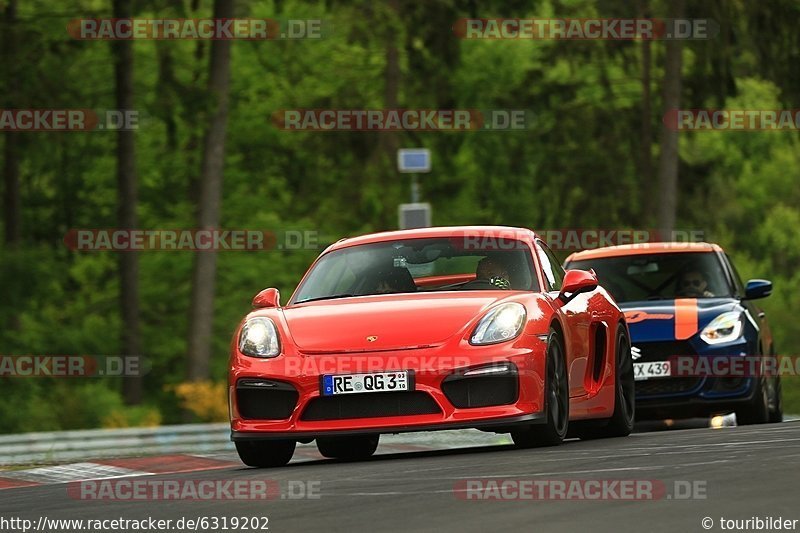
(47, 404)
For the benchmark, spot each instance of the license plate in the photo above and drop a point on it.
(358, 383)
(657, 369)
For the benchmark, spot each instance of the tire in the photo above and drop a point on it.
(756, 411)
(348, 448)
(621, 422)
(556, 401)
(776, 414)
(265, 453)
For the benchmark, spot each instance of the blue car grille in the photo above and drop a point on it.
(655, 387)
(661, 351)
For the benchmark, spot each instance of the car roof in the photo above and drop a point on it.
(497, 232)
(644, 248)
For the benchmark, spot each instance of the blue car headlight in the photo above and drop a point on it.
(725, 328)
(503, 323)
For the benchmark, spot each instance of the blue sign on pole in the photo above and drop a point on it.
(414, 160)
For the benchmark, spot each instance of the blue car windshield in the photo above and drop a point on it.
(660, 276)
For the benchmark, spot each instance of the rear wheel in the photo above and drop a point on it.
(265, 453)
(621, 422)
(556, 401)
(348, 448)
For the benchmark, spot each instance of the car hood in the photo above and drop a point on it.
(667, 320)
(386, 322)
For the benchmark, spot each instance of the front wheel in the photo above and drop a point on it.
(348, 448)
(265, 453)
(556, 401)
(756, 411)
(776, 412)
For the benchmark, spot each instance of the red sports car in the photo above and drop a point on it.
(427, 329)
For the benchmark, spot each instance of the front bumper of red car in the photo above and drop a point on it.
(486, 387)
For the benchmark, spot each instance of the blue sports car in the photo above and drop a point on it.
(699, 343)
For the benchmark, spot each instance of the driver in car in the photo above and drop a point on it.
(494, 272)
(693, 284)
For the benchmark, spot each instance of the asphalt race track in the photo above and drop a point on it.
(740, 472)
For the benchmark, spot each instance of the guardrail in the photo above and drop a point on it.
(58, 446)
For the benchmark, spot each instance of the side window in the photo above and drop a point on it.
(553, 272)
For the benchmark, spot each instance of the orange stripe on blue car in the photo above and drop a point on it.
(685, 318)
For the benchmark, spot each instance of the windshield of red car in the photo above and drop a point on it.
(413, 265)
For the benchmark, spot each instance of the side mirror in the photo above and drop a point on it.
(267, 298)
(757, 288)
(576, 282)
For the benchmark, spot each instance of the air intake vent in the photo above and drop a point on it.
(370, 405)
(265, 399)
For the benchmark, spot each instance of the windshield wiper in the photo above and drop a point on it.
(330, 297)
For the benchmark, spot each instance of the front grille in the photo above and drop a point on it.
(656, 386)
(370, 405)
(265, 399)
(482, 391)
(661, 351)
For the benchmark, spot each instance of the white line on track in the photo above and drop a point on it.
(72, 472)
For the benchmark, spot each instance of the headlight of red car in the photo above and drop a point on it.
(503, 323)
(259, 338)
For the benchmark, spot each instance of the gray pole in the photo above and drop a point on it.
(414, 189)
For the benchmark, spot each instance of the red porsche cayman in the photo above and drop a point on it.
(427, 329)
